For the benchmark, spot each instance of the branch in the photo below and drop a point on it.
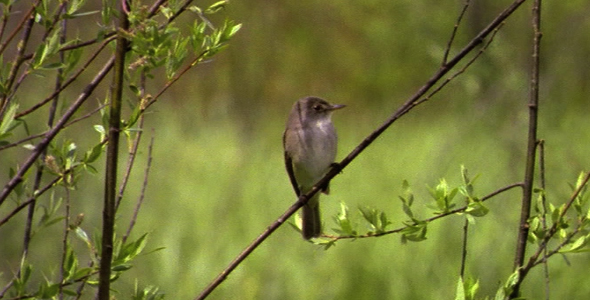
(451, 212)
(527, 191)
(454, 33)
(110, 194)
(142, 195)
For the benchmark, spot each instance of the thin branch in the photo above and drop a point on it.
(464, 248)
(18, 28)
(544, 214)
(454, 33)
(142, 195)
(534, 259)
(38, 135)
(18, 60)
(451, 212)
(527, 191)
(566, 240)
(135, 147)
(36, 195)
(13, 213)
(66, 83)
(464, 68)
(64, 254)
(7, 10)
(177, 76)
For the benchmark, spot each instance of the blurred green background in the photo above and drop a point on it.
(217, 179)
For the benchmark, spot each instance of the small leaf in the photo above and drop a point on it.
(460, 291)
(8, 120)
(93, 154)
(215, 7)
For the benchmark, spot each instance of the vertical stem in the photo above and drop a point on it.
(544, 213)
(112, 159)
(464, 251)
(531, 148)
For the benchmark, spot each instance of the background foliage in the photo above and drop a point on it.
(218, 177)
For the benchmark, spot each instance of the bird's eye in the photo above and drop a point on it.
(317, 107)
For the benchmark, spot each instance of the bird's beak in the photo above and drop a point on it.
(337, 106)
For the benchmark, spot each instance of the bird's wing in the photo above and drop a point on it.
(289, 167)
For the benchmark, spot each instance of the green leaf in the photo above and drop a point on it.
(215, 7)
(577, 245)
(414, 232)
(8, 122)
(93, 154)
(130, 250)
(81, 273)
(508, 286)
(466, 289)
(47, 290)
(376, 218)
(344, 223)
(477, 209)
(83, 236)
(70, 263)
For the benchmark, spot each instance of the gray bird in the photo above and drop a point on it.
(310, 144)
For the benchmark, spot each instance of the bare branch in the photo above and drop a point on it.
(454, 33)
(143, 188)
(527, 191)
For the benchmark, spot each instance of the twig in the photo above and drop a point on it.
(464, 68)
(527, 191)
(135, 147)
(143, 188)
(65, 241)
(464, 248)
(18, 60)
(544, 214)
(18, 28)
(8, 8)
(38, 135)
(66, 83)
(454, 33)
(12, 214)
(34, 197)
(177, 76)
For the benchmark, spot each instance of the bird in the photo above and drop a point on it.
(310, 145)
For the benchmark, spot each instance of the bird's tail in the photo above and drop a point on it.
(311, 225)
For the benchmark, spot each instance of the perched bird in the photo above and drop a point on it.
(310, 143)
